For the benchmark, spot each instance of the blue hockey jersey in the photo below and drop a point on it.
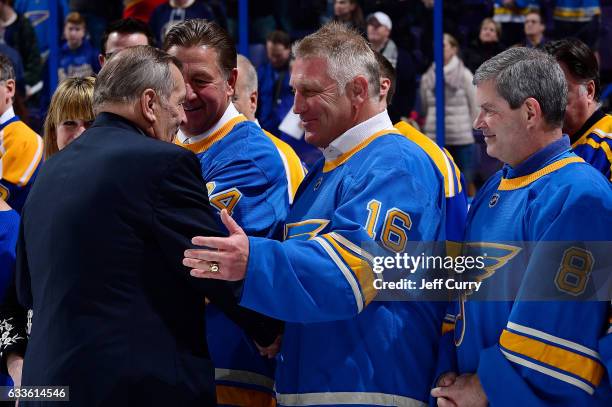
(594, 142)
(456, 197)
(254, 176)
(340, 346)
(537, 353)
(576, 10)
(79, 62)
(515, 14)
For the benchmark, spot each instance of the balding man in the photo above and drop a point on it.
(117, 319)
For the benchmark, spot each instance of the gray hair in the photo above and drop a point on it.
(6, 68)
(246, 68)
(131, 71)
(347, 53)
(520, 73)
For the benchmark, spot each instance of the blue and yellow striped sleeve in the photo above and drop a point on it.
(21, 152)
(596, 149)
(553, 360)
(322, 272)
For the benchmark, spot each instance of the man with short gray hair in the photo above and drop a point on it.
(373, 186)
(515, 348)
(117, 318)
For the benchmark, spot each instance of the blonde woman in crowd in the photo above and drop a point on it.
(70, 113)
(460, 108)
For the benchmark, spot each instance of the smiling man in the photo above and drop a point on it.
(546, 352)
(250, 174)
(373, 185)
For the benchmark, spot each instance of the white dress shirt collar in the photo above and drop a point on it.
(357, 134)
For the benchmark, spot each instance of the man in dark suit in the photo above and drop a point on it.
(116, 316)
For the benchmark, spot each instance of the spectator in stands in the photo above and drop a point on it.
(534, 30)
(486, 46)
(511, 15)
(585, 122)
(350, 14)
(124, 33)
(580, 19)
(175, 11)
(19, 34)
(38, 12)
(275, 95)
(460, 108)
(70, 113)
(97, 15)
(21, 147)
(78, 58)
(379, 35)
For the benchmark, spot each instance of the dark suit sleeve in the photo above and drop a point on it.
(181, 211)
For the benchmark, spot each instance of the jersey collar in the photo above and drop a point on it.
(229, 114)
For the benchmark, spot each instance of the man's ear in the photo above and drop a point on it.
(253, 100)
(10, 87)
(231, 81)
(533, 110)
(101, 59)
(359, 87)
(385, 85)
(590, 87)
(148, 101)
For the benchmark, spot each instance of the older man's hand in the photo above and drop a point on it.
(225, 258)
(465, 391)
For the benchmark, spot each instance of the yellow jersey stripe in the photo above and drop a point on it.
(457, 171)
(521, 182)
(578, 365)
(551, 338)
(330, 165)
(550, 372)
(605, 148)
(291, 162)
(447, 327)
(583, 12)
(33, 163)
(206, 143)
(521, 11)
(22, 151)
(345, 271)
(238, 396)
(604, 125)
(351, 246)
(442, 162)
(361, 268)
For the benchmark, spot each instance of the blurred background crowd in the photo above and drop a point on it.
(401, 30)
